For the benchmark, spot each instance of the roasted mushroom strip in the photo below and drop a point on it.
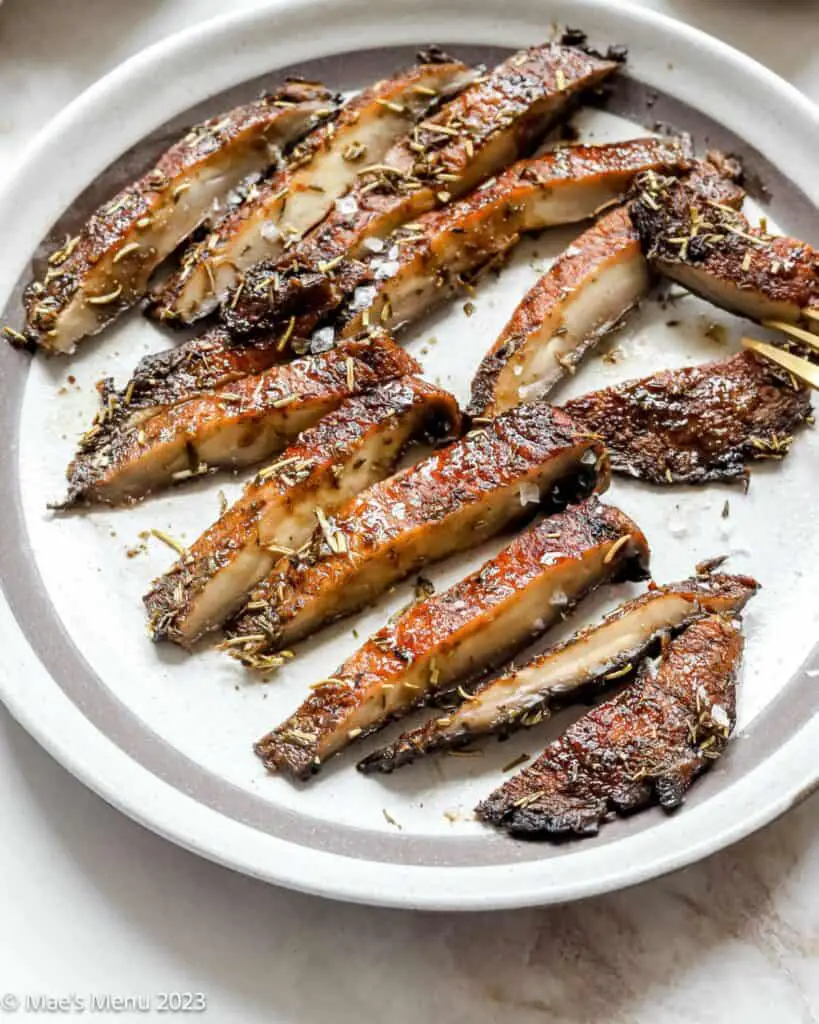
(587, 292)
(237, 425)
(712, 250)
(280, 211)
(645, 745)
(449, 502)
(698, 424)
(102, 271)
(426, 261)
(197, 367)
(583, 296)
(493, 122)
(348, 450)
(474, 625)
(596, 656)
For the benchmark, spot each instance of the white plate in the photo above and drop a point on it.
(166, 737)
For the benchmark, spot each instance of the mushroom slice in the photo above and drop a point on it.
(472, 626)
(599, 654)
(449, 502)
(699, 424)
(711, 249)
(646, 745)
(495, 121)
(421, 263)
(426, 261)
(319, 171)
(584, 295)
(104, 270)
(587, 292)
(195, 368)
(346, 451)
(237, 425)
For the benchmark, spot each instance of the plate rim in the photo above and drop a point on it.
(789, 774)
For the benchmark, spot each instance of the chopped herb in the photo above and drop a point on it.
(389, 818)
(616, 546)
(396, 108)
(330, 264)
(354, 152)
(618, 673)
(288, 333)
(284, 400)
(716, 332)
(178, 547)
(104, 300)
(15, 336)
(125, 251)
(515, 762)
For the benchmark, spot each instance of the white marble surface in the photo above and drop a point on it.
(90, 902)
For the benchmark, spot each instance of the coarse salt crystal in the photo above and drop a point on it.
(387, 268)
(363, 296)
(719, 716)
(322, 339)
(269, 232)
(529, 494)
(347, 205)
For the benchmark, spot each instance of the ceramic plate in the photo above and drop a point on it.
(167, 737)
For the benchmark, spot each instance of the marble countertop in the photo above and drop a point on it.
(91, 902)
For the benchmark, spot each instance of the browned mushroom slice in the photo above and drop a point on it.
(319, 171)
(599, 654)
(425, 262)
(449, 502)
(698, 424)
(237, 425)
(646, 745)
(579, 300)
(712, 250)
(345, 452)
(474, 625)
(104, 270)
(473, 136)
(582, 296)
(197, 367)
(422, 263)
